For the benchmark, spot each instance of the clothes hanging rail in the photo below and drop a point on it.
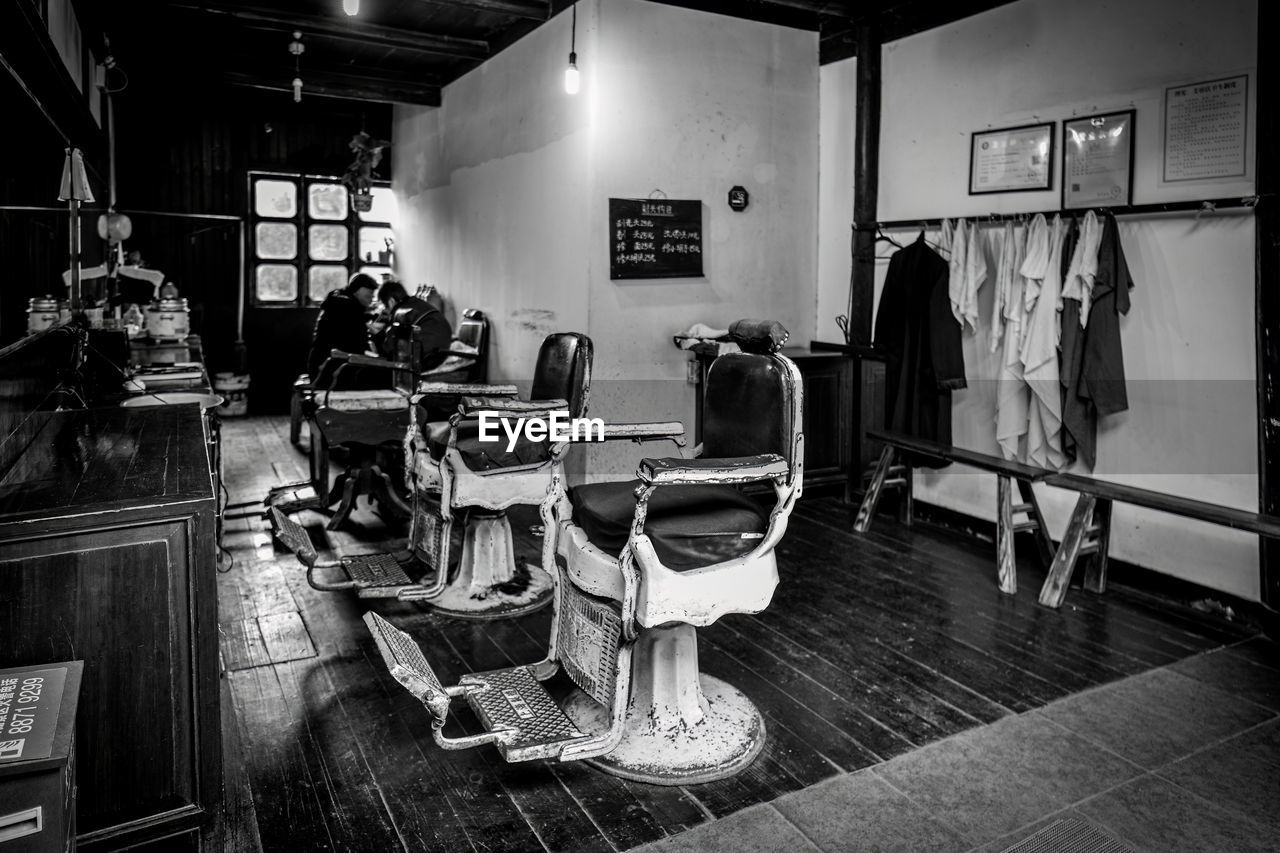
(1199, 206)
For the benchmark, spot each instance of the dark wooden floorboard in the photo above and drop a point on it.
(872, 646)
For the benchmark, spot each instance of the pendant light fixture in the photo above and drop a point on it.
(571, 73)
(351, 7)
(296, 47)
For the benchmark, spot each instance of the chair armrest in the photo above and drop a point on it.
(739, 469)
(464, 389)
(362, 360)
(639, 432)
(509, 405)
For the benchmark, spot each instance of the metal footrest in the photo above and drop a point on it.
(519, 716)
(380, 576)
(293, 497)
(513, 701)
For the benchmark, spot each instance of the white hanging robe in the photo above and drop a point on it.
(944, 239)
(1078, 284)
(956, 268)
(1008, 319)
(1043, 270)
(975, 274)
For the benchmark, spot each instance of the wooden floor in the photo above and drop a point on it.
(872, 646)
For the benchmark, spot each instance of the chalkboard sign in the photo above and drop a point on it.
(655, 238)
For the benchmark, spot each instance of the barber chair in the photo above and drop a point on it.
(639, 566)
(453, 470)
(468, 356)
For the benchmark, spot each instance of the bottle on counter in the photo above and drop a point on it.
(133, 320)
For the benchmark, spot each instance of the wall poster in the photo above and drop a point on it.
(1206, 130)
(1013, 159)
(1097, 160)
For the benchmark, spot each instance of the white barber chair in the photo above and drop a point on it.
(641, 565)
(452, 470)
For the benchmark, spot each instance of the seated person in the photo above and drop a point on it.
(409, 320)
(342, 325)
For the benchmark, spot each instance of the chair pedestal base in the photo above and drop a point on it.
(681, 727)
(488, 584)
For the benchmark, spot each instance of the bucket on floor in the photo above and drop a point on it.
(234, 389)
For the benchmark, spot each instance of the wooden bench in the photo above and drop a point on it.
(1089, 530)
(890, 475)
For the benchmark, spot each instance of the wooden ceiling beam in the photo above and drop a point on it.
(356, 32)
(533, 10)
(332, 85)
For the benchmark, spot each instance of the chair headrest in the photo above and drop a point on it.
(759, 336)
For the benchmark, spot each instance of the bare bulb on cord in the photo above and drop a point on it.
(571, 82)
(351, 7)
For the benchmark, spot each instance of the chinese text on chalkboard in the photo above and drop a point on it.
(655, 238)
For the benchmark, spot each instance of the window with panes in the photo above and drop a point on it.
(305, 240)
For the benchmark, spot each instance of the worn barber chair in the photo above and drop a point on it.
(466, 361)
(639, 566)
(453, 470)
(468, 357)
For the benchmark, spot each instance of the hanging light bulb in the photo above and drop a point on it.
(297, 48)
(571, 82)
(351, 7)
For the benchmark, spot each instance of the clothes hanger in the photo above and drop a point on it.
(880, 235)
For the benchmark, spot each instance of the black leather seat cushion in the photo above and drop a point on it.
(484, 455)
(690, 526)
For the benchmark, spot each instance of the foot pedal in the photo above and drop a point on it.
(404, 658)
(518, 714)
(293, 497)
(380, 576)
(512, 699)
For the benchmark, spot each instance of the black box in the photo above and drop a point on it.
(37, 757)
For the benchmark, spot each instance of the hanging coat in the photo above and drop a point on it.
(1043, 270)
(924, 358)
(1079, 420)
(1006, 333)
(1103, 370)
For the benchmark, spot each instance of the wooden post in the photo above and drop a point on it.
(866, 182)
(73, 206)
(867, 510)
(1267, 298)
(1055, 584)
(1095, 574)
(1006, 565)
(1044, 544)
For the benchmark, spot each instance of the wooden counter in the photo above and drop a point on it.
(107, 554)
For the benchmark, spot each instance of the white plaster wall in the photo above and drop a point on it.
(492, 189)
(692, 104)
(1189, 339)
(837, 102)
(503, 193)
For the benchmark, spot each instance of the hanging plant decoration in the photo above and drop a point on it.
(359, 176)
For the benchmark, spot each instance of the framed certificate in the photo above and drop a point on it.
(1206, 131)
(1011, 160)
(1097, 160)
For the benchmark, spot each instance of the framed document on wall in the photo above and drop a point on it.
(1012, 159)
(1097, 160)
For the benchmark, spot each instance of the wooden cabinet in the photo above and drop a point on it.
(107, 555)
(828, 412)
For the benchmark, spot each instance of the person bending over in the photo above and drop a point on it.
(412, 319)
(342, 325)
